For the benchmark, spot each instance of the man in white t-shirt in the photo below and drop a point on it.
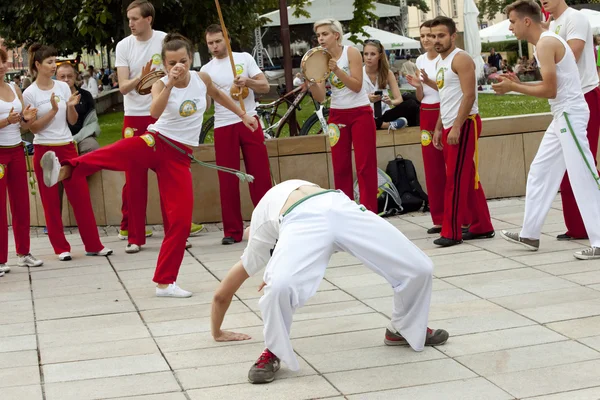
(231, 133)
(294, 231)
(574, 27)
(137, 55)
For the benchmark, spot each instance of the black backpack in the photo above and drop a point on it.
(404, 176)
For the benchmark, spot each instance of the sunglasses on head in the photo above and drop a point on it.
(372, 41)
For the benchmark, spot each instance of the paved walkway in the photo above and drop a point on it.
(522, 325)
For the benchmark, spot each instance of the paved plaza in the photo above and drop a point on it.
(522, 325)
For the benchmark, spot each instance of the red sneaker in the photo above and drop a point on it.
(263, 370)
(435, 337)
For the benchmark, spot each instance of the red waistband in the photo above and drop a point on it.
(366, 108)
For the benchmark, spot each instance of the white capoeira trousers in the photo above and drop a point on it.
(309, 235)
(564, 147)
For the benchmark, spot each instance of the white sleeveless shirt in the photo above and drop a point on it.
(11, 134)
(450, 91)
(183, 116)
(371, 87)
(342, 97)
(430, 95)
(569, 95)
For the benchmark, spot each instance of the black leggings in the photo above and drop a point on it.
(408, 109)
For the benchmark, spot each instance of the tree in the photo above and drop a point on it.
(489, 8)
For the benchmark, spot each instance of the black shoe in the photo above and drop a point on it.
(471, 235)
(228, 240)
(445, 242)
(564, 236)
(464, 229)
(435, 229)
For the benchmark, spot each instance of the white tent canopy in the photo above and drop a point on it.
(390, 41)
(497, 33)
(594, 17)
(342, 10)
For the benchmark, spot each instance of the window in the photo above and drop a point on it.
(423, 16)
(454, 9)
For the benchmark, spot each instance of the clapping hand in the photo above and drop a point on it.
(13, 117)
(29, 113)
(53, 102)
(74, 99)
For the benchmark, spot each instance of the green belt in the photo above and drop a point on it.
(302, 200)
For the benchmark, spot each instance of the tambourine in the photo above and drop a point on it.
(235, 92)
(315, 65)
(144, 86)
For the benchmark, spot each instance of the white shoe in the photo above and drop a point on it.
(29, 261)
(51, 168)
(104, 252)
(188, 244)
(4, 269)
(1, 274)
(591, 253)
(132, 248)
(172, 291)
(66, 256)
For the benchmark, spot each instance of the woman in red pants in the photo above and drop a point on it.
(13, 171)
(56, 107)
(179, 102)
(351, 120)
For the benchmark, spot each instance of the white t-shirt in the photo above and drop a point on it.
(572, 24)
(371, 87)
(430, 95)
(57, 131)
(343, 98)
(182, 118)
(135, 54)
(92, 87)
(11, 134)
(264, 226)
(219, 70)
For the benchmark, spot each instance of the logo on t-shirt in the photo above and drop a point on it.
(239, 69)
(56, 99)
(187, 108)
(335, 81)
(128, 132)
(425, 138)
(439, 77)
(1, 171)
(557, 30)
(156, 59)
(149, 139)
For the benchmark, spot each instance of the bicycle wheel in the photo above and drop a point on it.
(207, 135)
(312, 126)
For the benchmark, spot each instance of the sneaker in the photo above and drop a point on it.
(565, 236)
(188, 245)
(513, 237)
(196, 229)
(398, 124)
(104, 252)
(592, 253)
(227, 240)
(132, 248)
(470, 235)
(51, 168)
(172, 291)
(4, 268)
(66, 256)
(1, 274)
(446, 242)
(263, 370)
(29, 261)
(124, 235)
(45, 230)
(435, 337)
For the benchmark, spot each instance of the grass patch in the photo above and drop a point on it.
(490, 105)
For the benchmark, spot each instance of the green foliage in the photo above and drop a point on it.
(489, 8)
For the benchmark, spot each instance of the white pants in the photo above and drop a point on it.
(564, 147)
(308, 237)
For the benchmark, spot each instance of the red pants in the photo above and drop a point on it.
(135, 126)
(573, 221)
(228, 140)
(433, 161)
(13, 176)
(78, 195)
(461, 197)
(358, 129)
(174, 184)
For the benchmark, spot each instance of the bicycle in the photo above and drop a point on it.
(272, 122)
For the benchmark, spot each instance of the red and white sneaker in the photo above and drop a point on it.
(435, 337)
(263, 370)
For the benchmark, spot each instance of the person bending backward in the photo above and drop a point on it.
(565, 145)
(324, 221)
(231, 134)
(56, 109)
(574, 27)
(456, 132)
(13, 170)
(433, 158)
(379, 77)
(350, 116)
(178, 104)
(137, 55)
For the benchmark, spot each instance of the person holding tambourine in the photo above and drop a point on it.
(178, 103)
(13, 171)
(56, 106)
(350, 116)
